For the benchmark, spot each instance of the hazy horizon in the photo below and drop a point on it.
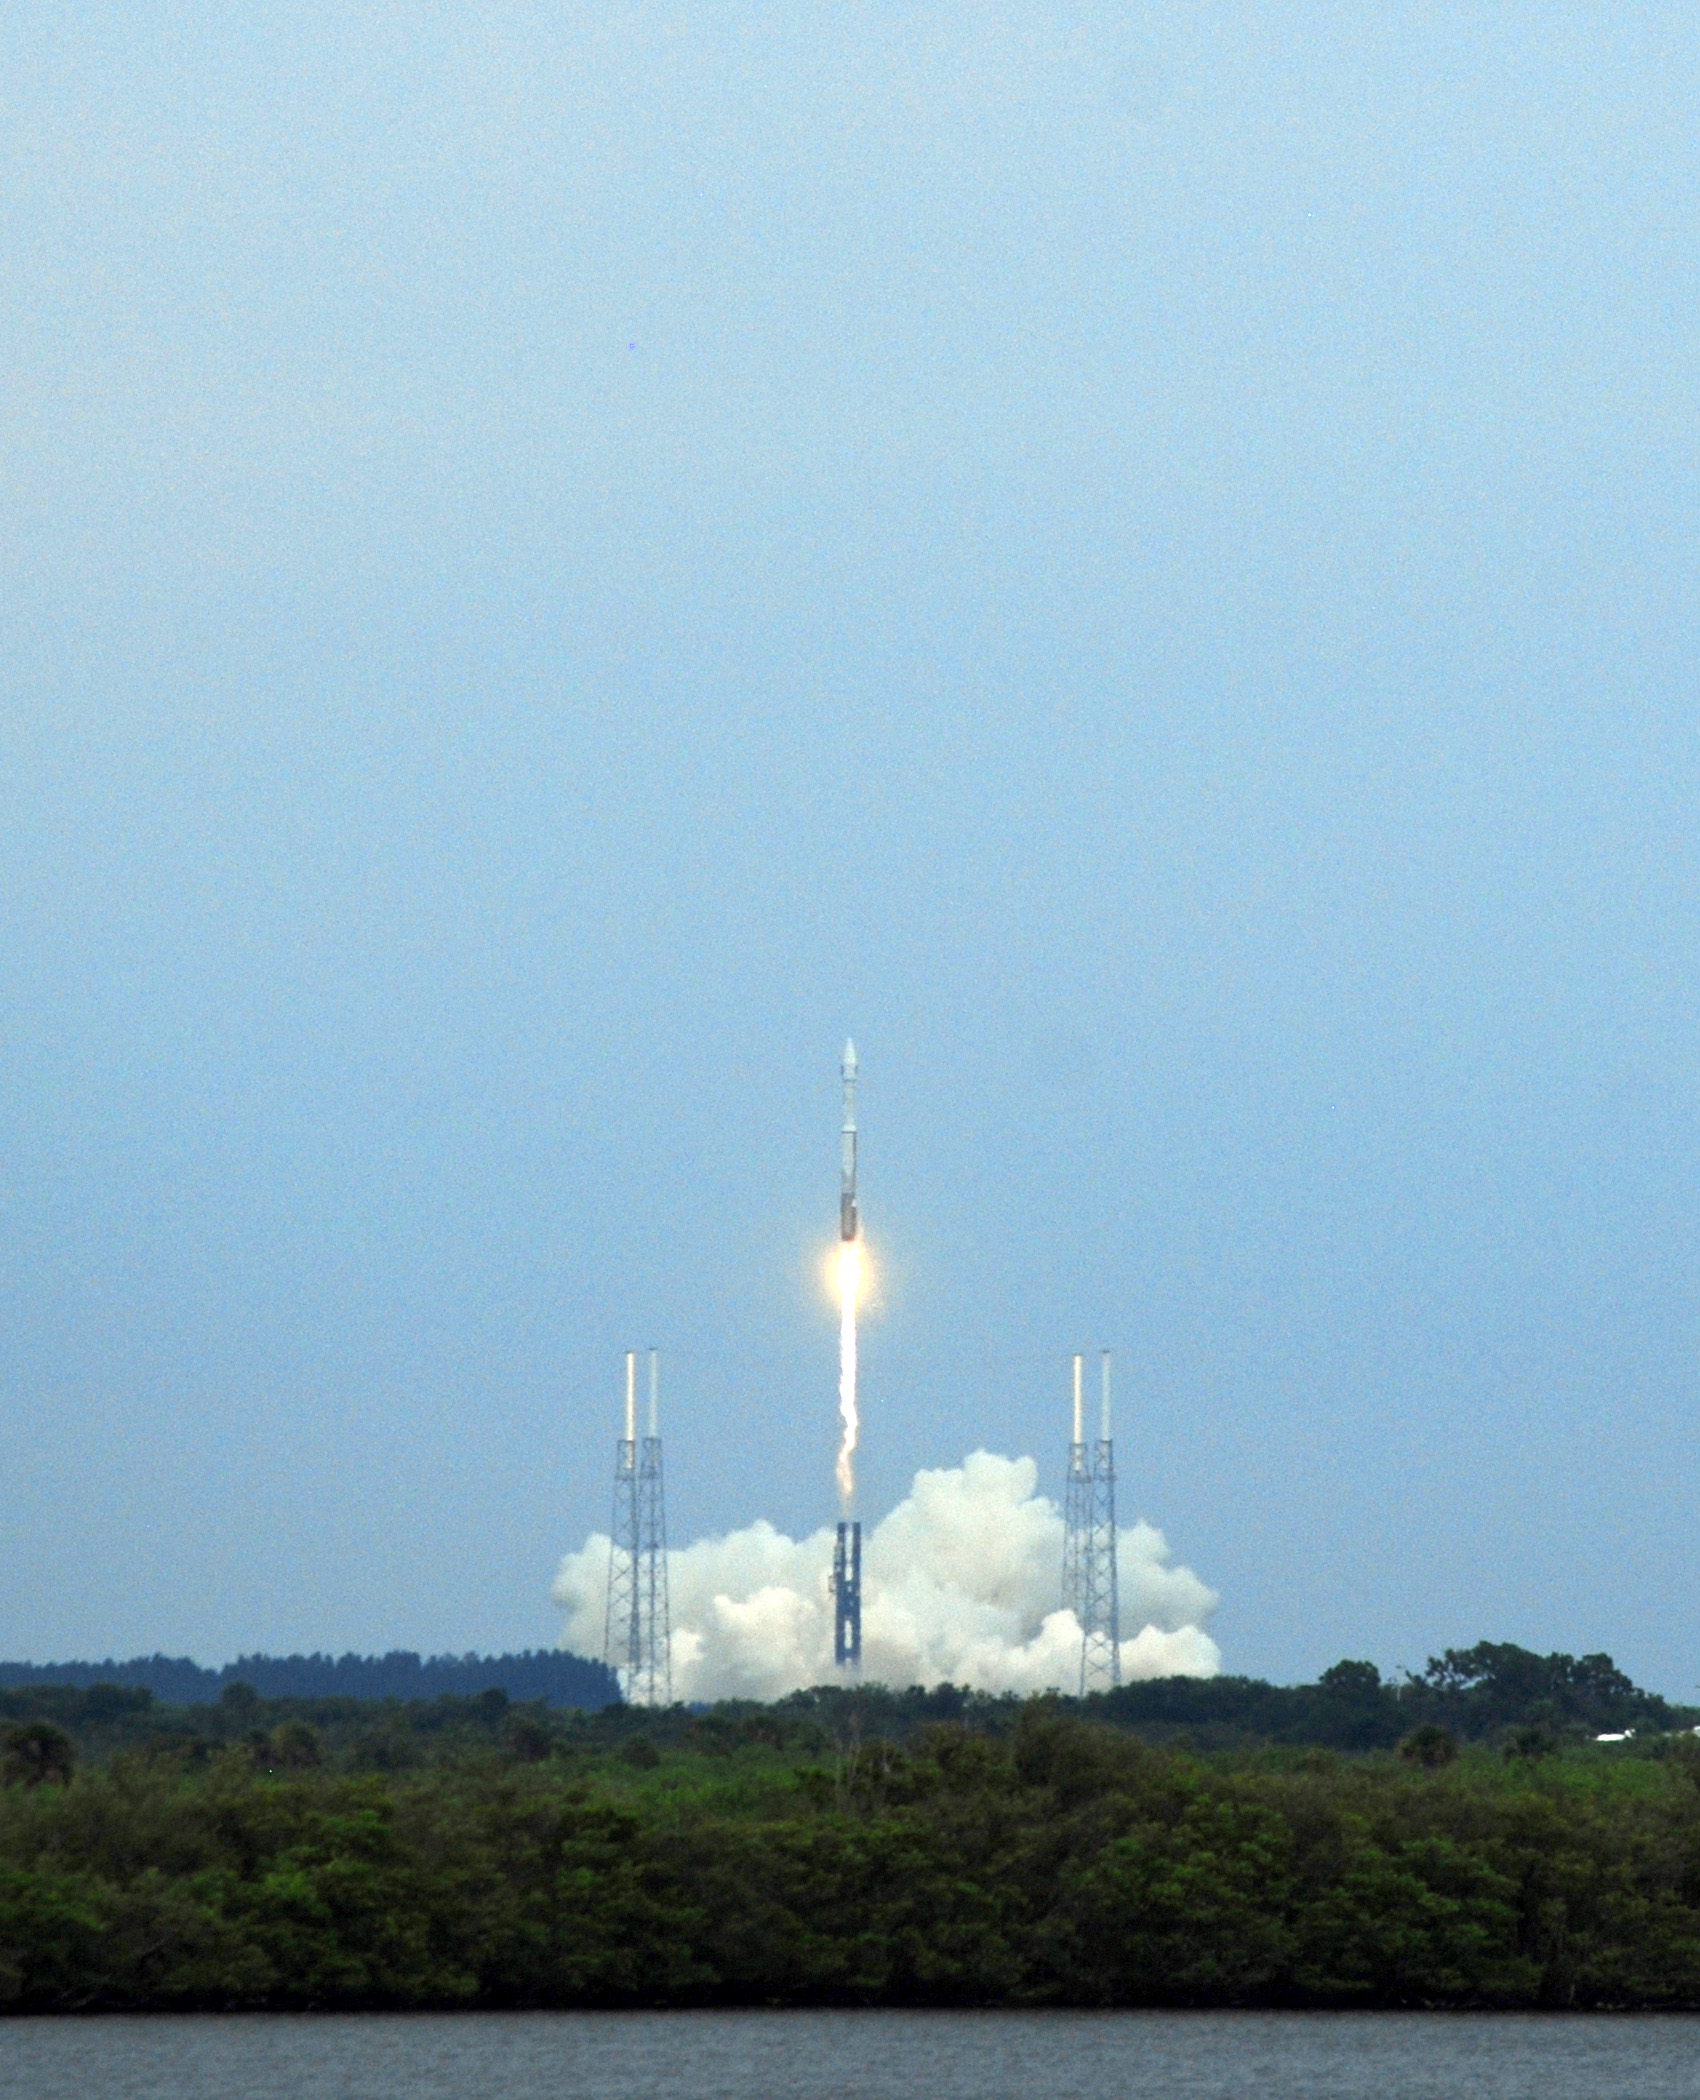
(555, 562)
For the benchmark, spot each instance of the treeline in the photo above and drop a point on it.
(1472, 1693)
(549, 1674)
(1487, 1693)
(759, 1857)
(78, 1727)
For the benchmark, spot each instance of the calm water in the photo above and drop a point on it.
(852, 2056)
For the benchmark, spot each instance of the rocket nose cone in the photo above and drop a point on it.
(849, 1058)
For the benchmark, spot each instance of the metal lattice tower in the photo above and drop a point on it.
(1089, 1546)
(636, 1644)
(847, 1597)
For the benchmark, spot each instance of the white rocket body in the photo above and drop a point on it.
(848, 1223)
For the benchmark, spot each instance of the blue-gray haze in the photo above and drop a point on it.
(556, 559)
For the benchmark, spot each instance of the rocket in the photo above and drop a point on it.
(848, 1226)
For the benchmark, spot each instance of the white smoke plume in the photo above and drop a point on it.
(959, 1586)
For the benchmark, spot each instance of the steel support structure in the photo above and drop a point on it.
(652, 1678)
(636, 1642)
(1090, 1583)
(1100, 1615)
(847, 1597)
(623, 1643)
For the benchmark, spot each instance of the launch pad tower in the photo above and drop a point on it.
(1089, 1546)
(636, 1644)
(847, 1597)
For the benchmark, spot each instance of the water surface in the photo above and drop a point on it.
(853, 2056)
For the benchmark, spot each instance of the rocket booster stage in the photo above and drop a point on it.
(848, 1225)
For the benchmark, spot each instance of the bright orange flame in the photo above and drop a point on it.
(849, 1279)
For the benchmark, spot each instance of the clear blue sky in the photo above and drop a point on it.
(555, 560)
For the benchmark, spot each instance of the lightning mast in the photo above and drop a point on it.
(1090, 1586)
(636, 1644)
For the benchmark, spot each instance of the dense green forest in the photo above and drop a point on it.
(549, 1674)
(1172, 1844)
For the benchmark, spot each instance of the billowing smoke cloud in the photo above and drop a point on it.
(959, 1586)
